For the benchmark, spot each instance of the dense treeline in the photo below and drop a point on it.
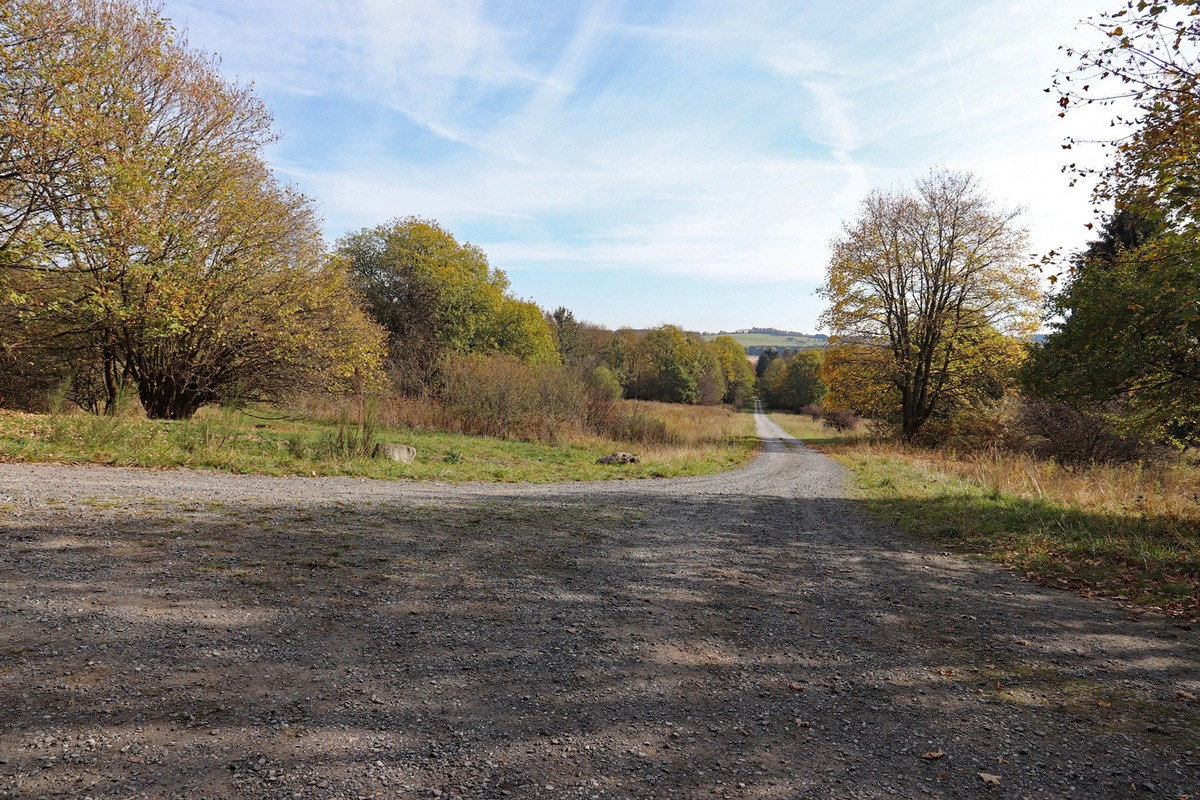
(791, 381)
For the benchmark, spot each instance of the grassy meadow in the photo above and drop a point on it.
(779, 341)
(1131, 533)
(338, 439)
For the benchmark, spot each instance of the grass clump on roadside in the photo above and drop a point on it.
(1128, 532)
(340, 440)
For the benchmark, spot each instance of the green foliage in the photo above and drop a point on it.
(791, 383)
(567, 334)
(520, 330)
(1129, 339)
(672, 366)
(438, 298)
(735, 369)
(764, 361)
(604, 384)
(1129, 336)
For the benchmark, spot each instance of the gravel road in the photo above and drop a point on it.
(175, 634)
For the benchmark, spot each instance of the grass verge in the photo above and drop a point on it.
(704, 440)
(1129, 533)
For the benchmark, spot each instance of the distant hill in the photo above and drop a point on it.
(755, 340)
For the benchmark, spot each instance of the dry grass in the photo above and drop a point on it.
(1128, 532)
(694, 426)
(1169, 491)
(337, 437)
(1131, 533)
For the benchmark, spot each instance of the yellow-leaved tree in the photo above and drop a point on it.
(152, 246)
(438, 297)
(921, 286)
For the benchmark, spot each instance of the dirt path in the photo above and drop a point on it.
(748, 635)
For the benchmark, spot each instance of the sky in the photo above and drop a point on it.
(657, 161)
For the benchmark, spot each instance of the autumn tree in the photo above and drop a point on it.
(1127, 337)
(736, 370)
(793, 382)
(915, 280)
(764, 360)
(519, 328)
(152, 245)
(439, 297)
(566, 331)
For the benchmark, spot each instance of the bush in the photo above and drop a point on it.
(1075, 438)
(504, 397)
(603, 404)
(840, 420)
(816, 412)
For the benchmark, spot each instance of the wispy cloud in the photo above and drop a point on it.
(726, 142)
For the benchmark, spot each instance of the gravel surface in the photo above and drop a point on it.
(175, 634)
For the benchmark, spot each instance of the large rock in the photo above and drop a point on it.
(618, 458)
(403, 453)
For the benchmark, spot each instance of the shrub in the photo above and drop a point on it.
(504, 397)
(840, 420)
(603, 403)
(816, 412)
(1075, 437)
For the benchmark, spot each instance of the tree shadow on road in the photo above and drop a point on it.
(608, 643)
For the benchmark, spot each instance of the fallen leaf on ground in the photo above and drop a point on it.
(987, 777)
(933, 755)
(795, 687)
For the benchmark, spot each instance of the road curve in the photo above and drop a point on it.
(746, 635)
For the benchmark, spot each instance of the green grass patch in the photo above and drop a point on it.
(272, 444)
(814, 432)
(1151, 560)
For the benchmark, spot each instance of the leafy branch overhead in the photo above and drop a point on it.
(1126, 334)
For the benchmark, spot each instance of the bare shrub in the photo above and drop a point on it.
(639, 426)
(504, 397)
(840, 420)
(1073, 437)
(603, 403)
(816, 412)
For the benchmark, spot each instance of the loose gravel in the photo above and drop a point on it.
(175, 634)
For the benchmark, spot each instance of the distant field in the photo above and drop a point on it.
(770, 340)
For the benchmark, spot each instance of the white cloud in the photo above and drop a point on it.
(725, 141)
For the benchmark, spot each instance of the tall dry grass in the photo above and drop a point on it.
(1170, 490)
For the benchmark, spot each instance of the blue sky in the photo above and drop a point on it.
(650, 161)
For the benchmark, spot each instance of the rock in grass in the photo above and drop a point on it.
(403, 453)
(618, 458)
